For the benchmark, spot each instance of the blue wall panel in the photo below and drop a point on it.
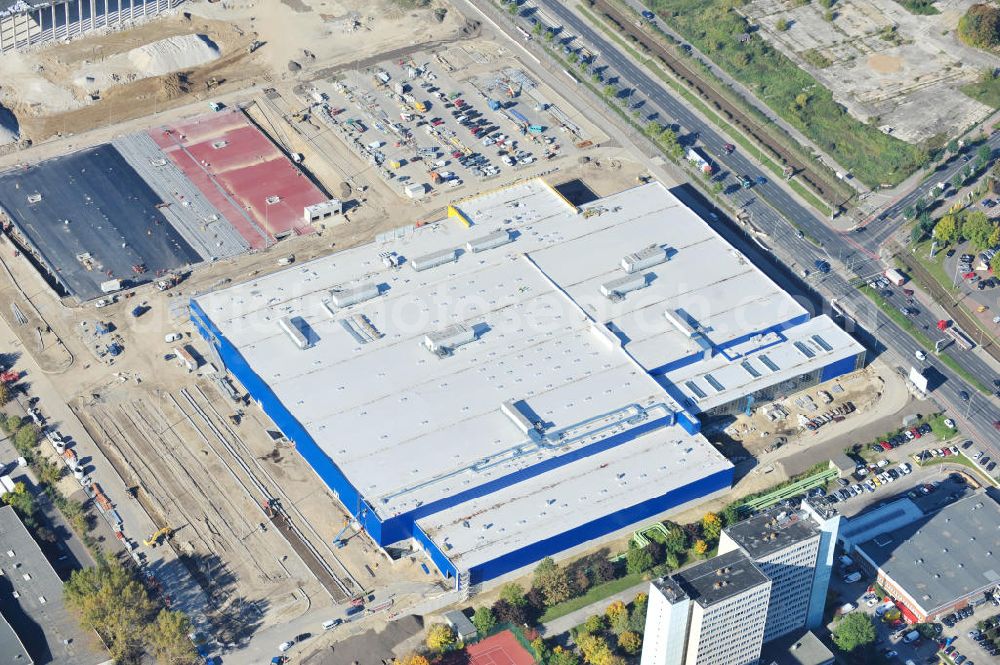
(601, 526)
(284, 420)
(839, 368)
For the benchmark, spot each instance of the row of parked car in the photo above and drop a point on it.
(984, 461)
(901, 438)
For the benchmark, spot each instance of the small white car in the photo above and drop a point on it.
(920, 355)
(172, 337)
(949, 423)
(285, 646)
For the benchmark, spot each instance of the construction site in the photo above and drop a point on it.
(160, 159)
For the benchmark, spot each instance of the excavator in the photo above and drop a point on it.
(154, 539)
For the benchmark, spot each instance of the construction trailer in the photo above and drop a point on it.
(25, 24)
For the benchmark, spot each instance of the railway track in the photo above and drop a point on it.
(340, 588)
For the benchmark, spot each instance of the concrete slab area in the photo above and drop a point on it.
(96, 219)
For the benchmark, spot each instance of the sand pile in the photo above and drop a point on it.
(173, 54)
(9, 128)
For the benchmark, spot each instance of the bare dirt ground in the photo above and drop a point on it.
(885, 64)
(44, 90)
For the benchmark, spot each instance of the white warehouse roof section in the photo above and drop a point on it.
(496, 350)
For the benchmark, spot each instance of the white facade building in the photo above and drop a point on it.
(710, 614)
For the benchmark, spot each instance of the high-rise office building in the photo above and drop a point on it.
(710, 614)
(713, 613)
(785, 545)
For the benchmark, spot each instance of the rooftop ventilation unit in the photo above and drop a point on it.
(354, 295)
(617, 288)
(681, 321)
(489, 241)
(434, 259)
(292, 330)
(515, 410)
(443, 342)
(768, 363)
(644, 258)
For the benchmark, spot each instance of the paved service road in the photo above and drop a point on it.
(767, 198)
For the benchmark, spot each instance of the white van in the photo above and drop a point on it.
(332, 623)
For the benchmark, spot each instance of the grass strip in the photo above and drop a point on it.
(593, 595)
(651, 65)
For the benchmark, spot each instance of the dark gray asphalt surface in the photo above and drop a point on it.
(93, 201)
(771, 206)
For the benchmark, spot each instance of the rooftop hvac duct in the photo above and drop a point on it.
(512, 409)
(354, 295)
(680, 321)
(292, 330)
(617, 288)
(443, 342)
(434, 259)
(644, 258)
(489, 241)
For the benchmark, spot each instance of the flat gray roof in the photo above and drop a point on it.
(943, 556)
(798, 648)
(772, 530)
(535, 322)
(37, 613)
(720, 578)
(12, 651)
(670, 589)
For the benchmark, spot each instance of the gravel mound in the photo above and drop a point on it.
(173, 54)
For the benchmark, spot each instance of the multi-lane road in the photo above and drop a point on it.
(772, 208)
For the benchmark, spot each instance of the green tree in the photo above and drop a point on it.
(978, 228)
(168, 641)
(553, 582)
(983, 155)
(638, 560)
(4, 393)
(782, 25)
(957, 181)
(594, 624)
(440, 637)
(109, 600)
(953, 146)
(995, 264)
(513, 593)
(49, 472)
(980, 26)
(853, 631)
(21, 500)
(609, 91)
(676, 540)
(561, 656)
(629, 642)
(711, 526)
(484, 621)
(537, 28)
(617, 615)
(730, 514)
(26, 439)
(12, 424)
(946, 230)
(512, 8)
(700, 547)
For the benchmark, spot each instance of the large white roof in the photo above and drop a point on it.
(408, 426)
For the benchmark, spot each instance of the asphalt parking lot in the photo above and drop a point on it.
(419, 125)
